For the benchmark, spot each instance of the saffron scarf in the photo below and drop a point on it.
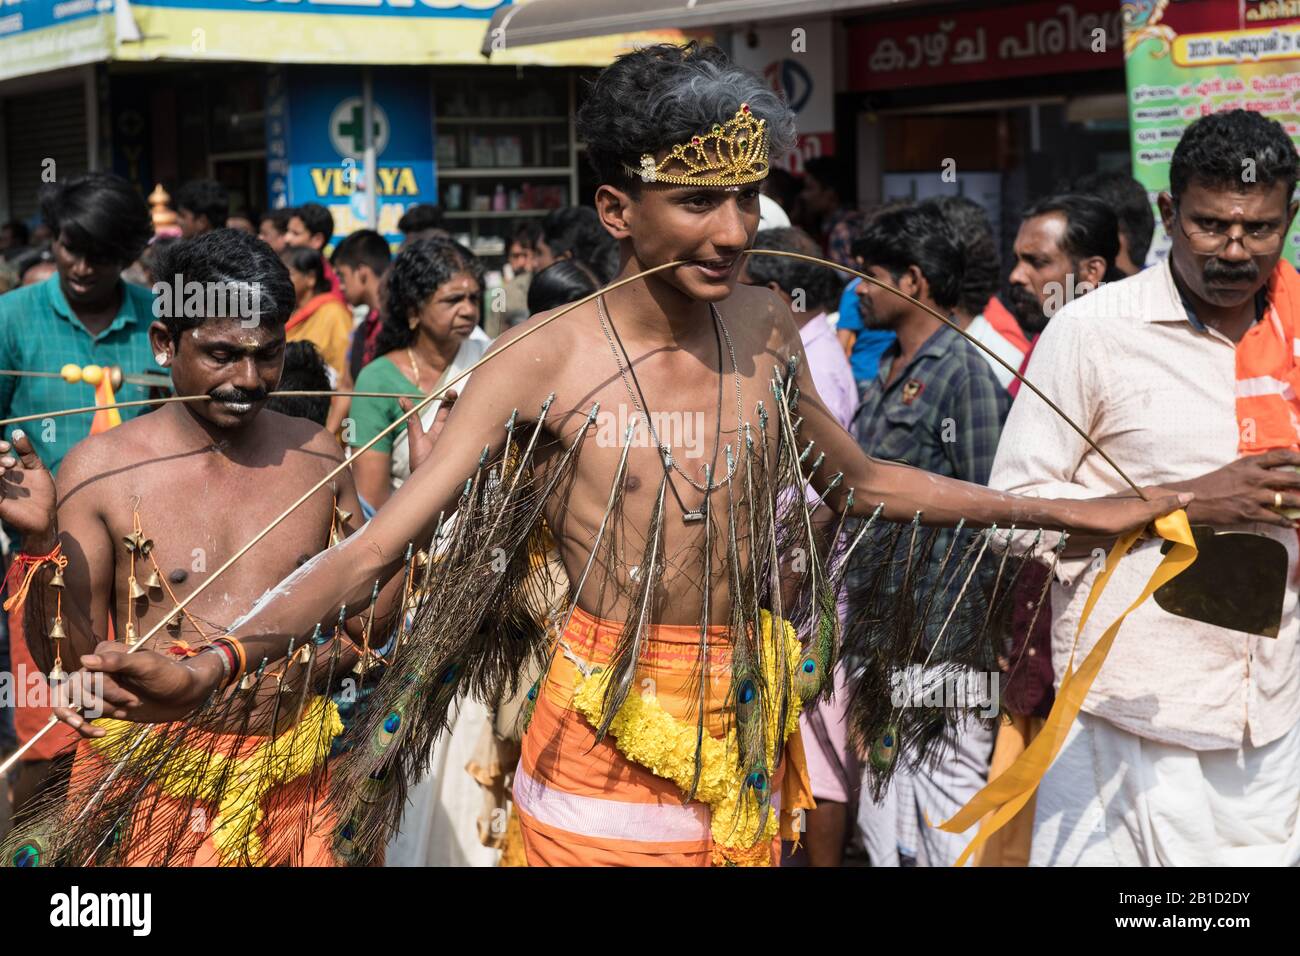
(309, 309)
(1268, 376)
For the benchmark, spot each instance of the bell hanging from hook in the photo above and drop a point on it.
(57, 580)
(153, 582)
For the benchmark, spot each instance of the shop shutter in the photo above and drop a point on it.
(40, 126)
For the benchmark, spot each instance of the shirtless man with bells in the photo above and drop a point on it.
(203, 477)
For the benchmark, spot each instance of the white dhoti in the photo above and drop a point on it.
(440, 825)
(917, 801)
(1112, 798)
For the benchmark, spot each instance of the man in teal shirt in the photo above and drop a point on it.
(83, 315)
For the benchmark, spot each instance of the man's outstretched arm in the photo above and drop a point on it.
(154, 688)
(904, 490)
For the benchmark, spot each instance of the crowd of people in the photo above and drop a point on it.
(1189, 745)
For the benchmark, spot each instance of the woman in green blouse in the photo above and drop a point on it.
(429, 336)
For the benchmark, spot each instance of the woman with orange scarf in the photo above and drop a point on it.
(321, 316)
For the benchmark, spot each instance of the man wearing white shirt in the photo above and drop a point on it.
(1187, 749)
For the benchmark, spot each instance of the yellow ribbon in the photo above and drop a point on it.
(1005, 796)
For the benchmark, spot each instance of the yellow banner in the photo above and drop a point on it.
(274, 36)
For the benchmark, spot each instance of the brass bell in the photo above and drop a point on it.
(174, 622)
(134, 589)
(154, 582)
(130, 633)
(57, 580)
(57, 673)
(343, 516)
(56, 630)
(421, 558)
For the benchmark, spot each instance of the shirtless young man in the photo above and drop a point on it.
(200, 478)
(579, 800)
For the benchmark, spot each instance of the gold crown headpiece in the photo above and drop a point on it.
(731, 154)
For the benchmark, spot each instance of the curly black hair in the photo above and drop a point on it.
(577, 231)
(413, 278)
(309, 262)
(226, 263)
(1128, 198)
(99, 215)
(1219, 149)
(304, 371)
(562, 282)
(205, 197)
(900, 237)
(821, 285)
(318, 220)
(982, 276)
(1091, 228)
(661, 95)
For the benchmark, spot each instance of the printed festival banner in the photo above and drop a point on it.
(1187, 58)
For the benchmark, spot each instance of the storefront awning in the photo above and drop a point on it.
(37, 36)
(549, 21)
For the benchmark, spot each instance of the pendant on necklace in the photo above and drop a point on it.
(693, 516)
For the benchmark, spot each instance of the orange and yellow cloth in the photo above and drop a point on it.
(583, 802)
(261, 805)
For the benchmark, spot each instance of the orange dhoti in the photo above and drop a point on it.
(583, 803)
(223, 800)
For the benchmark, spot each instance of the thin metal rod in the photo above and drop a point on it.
(432, 396)
(195, 398)
(968, 337)
(415, 410)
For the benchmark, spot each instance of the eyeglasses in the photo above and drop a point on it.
(1263, 241)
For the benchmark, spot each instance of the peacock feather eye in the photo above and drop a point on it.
(27, 856)
(747, 692)
(392, 722)
(809, 666)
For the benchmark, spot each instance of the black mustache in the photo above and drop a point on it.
(1236, 272)
(238, 396)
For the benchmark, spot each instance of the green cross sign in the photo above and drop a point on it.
(353, 129)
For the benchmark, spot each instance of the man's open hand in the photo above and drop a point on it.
(27, 498)
(145, 686)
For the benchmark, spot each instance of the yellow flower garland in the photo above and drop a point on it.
(294, 753)
(646, 733)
